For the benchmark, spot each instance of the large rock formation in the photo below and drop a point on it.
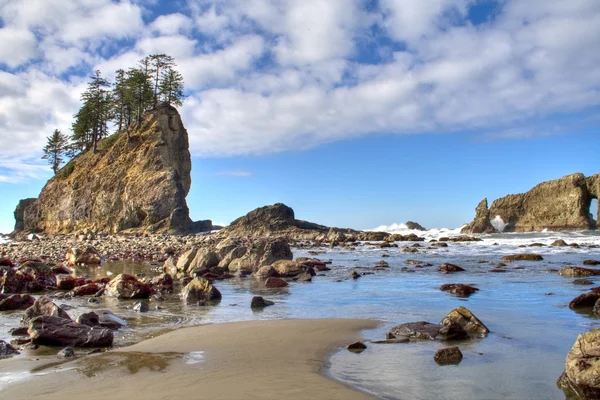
(558, 205)
(129, 184)
(481, 223)
(278, 220)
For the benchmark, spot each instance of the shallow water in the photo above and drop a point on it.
(525, 308)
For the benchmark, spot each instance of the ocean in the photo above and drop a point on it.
(525, 308)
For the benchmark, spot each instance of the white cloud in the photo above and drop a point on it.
(172, 24)
(235, 173)
(18, 46)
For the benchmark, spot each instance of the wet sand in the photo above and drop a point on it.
(283, 359)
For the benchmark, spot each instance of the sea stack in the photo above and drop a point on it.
(558, 205)
(130, 184)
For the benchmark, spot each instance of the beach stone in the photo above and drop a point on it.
(260, 302)
(86, 290)
(200, 290)
(522, 257)
(87, 256)
(266, 272)
(428, 331)
(582, 282)
(357, 347)
(43, 307)
(304, 277)
(449, 268)
(275, 250)
(103, 318)
(237, 252)
(7, 350)
(591, 262)
(314, 263)
(578, 272)
(449, 355)
(125, 286)
(163, 282)
(398, 339)
(65, 282)
(170, 266)
(467, 320)
(582, 367)
(55, 331)
(67, 352)
(205, 258)
(586, 300)
(186, 259)
(61, 270)
(35, 276)
(459, 289)
(354, 275)
(20, 331)
(274, 282)
(287, 268)
(9, 281)
(141, 306)
(559, 243)
(16, 302)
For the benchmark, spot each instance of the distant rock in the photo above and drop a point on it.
(414, 226)
(459, 289)
(578, 272)
(522, 257)
(481, 223)
(558, 205)
(449, 268)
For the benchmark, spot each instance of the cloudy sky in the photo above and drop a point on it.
(355, 112)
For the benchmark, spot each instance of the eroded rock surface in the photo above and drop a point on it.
(581, 379)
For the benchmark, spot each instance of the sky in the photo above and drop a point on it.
(356, 113)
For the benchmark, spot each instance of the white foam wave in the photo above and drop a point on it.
(402, 229)
(498, 223)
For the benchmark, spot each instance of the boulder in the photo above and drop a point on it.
(102, 318)
(287, 268)
(88, 289)
(259, 302)
(459, 289)
(141, 307)
(274, 282)
(559, 243)
(580, 380)
(265, 272)
(591, 262)
(522, 257)
(578, 272)
(44, 307)
(233, 253)
(35, 276)
(87, 256)
(163, 283)
(67, 352)
(481, 223)
(200, 290)
(125, 286)
(170, 266)
(449, 268)
(428, 331)
(357, 347)
(275, 250)
(10, 282)
(414, 226)
(186, 259)
(467, 320)
(16, 302)
(65, 282)
(205, 258)
(55, 331)
(7, 350)
(586, 300)
(449, 355)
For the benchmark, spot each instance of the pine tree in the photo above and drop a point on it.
(159, 64)
(171, 87)
(120, 109)
(91, 121)
(138, 92)
(55, 149)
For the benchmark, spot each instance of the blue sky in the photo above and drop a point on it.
(356, 113)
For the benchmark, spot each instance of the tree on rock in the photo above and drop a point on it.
(55, 149)
(161, 64)
(171, 87)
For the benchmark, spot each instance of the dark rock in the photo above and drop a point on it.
(103, 318)
(54, 331)
(141, 306)
(414, 226)
(65, 282)
(427, 331)
(450, 355)
(586, 300)
(578, 272)
(67, 352)
(559, 243)
(163, 283)
(259, 302)
(582, 282)
(87, 256)
(448, 268)
(357, 347)
(16, 302)
(591, 262)
(7, 350)
(20, 331)
(304, 277)
(86, 290)
(354, 275)
(481, 223)
(459, 289)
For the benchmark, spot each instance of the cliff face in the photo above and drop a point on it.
(558, 205)
(134, 184)
(481, 223)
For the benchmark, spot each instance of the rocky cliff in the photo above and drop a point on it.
(558, 205)
(129, 184)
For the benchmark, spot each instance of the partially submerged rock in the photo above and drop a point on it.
(449, 268)
(260, 302)
(357, 347)
(459, 289)
(449, 355)
(102, 318)
(125, 286)
(522, 257)
(586, 300)
(7, 350)
(578, 272)
(87, 256)
(428, 331)
(55, 331)
(44, 307)
(16, 302)
(581, 378)
(200, 290)
(467, 320)
(274, 282)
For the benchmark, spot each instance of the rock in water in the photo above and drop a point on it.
(274, 282)
(125, 286)
(259, 302)
(88, 256)
(448, 268)
(414, 226)
(450, 355)
(481, 223)
(582, 367)
(54, 331)
(43, 307)
(7, 350)
(467, 320)
(67, 352)
(558, 205)
(140, 183)
(578, 272)
(357, 347)
(200, 290)
(16, 302)
(459, 289)
(427, 331)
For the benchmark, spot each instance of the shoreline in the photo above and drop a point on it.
(250, 359)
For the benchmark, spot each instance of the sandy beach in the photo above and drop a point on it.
(282, 359)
